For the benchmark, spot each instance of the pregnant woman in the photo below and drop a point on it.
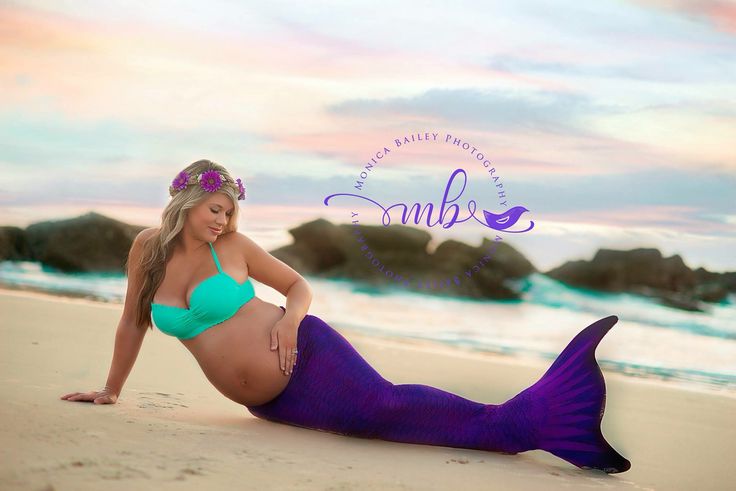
(192, 275)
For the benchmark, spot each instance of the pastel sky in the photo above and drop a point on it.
(613, 122)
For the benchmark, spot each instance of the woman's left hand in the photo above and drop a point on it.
(283, 337)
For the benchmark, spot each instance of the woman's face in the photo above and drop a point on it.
(209, 218)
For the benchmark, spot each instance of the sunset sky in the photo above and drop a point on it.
(613, 122)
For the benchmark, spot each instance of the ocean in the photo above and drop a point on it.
(650, 340)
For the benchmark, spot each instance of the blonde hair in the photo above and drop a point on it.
(158, 246)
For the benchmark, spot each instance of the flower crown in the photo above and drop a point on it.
(209, 180)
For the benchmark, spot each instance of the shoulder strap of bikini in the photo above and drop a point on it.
(214, 256)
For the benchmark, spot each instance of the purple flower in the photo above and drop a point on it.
(241, 188)
(210, 181)
(180, 181)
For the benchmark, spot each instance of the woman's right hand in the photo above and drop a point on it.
(104, 396)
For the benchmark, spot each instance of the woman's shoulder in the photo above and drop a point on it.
(236, 241)
(146, 233)
(143, 236)
(234, 235)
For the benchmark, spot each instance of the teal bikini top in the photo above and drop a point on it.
(214, 300)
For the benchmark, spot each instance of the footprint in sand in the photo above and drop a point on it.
(159, 400)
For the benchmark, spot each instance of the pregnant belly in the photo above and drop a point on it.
(236, 355)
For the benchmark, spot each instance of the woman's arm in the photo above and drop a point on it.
(128, 337)
(128, 341)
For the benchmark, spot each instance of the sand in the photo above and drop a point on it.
(172, 430)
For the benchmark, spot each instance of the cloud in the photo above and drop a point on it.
(667, 67)
(492, 109)
(717, 13)
(680, 200)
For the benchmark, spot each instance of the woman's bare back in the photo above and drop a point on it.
(234, 355)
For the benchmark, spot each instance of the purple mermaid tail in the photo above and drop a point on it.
(332, 388)
(568, 403)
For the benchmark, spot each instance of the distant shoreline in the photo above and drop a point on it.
(34, 291)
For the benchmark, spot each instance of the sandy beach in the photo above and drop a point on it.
(172, 430)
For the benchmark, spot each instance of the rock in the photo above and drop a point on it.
(90, 242)
(714, 287)
(336, 251)
(14, 244)
(613, 270)
(646, 272)
(319, 244)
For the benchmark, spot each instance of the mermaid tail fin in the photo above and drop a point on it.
(569, 401)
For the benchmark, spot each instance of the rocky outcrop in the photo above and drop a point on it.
(398, 255)
(13, 244)
(714, 287)
(93, 242)
(90, 242)
(646, 272)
